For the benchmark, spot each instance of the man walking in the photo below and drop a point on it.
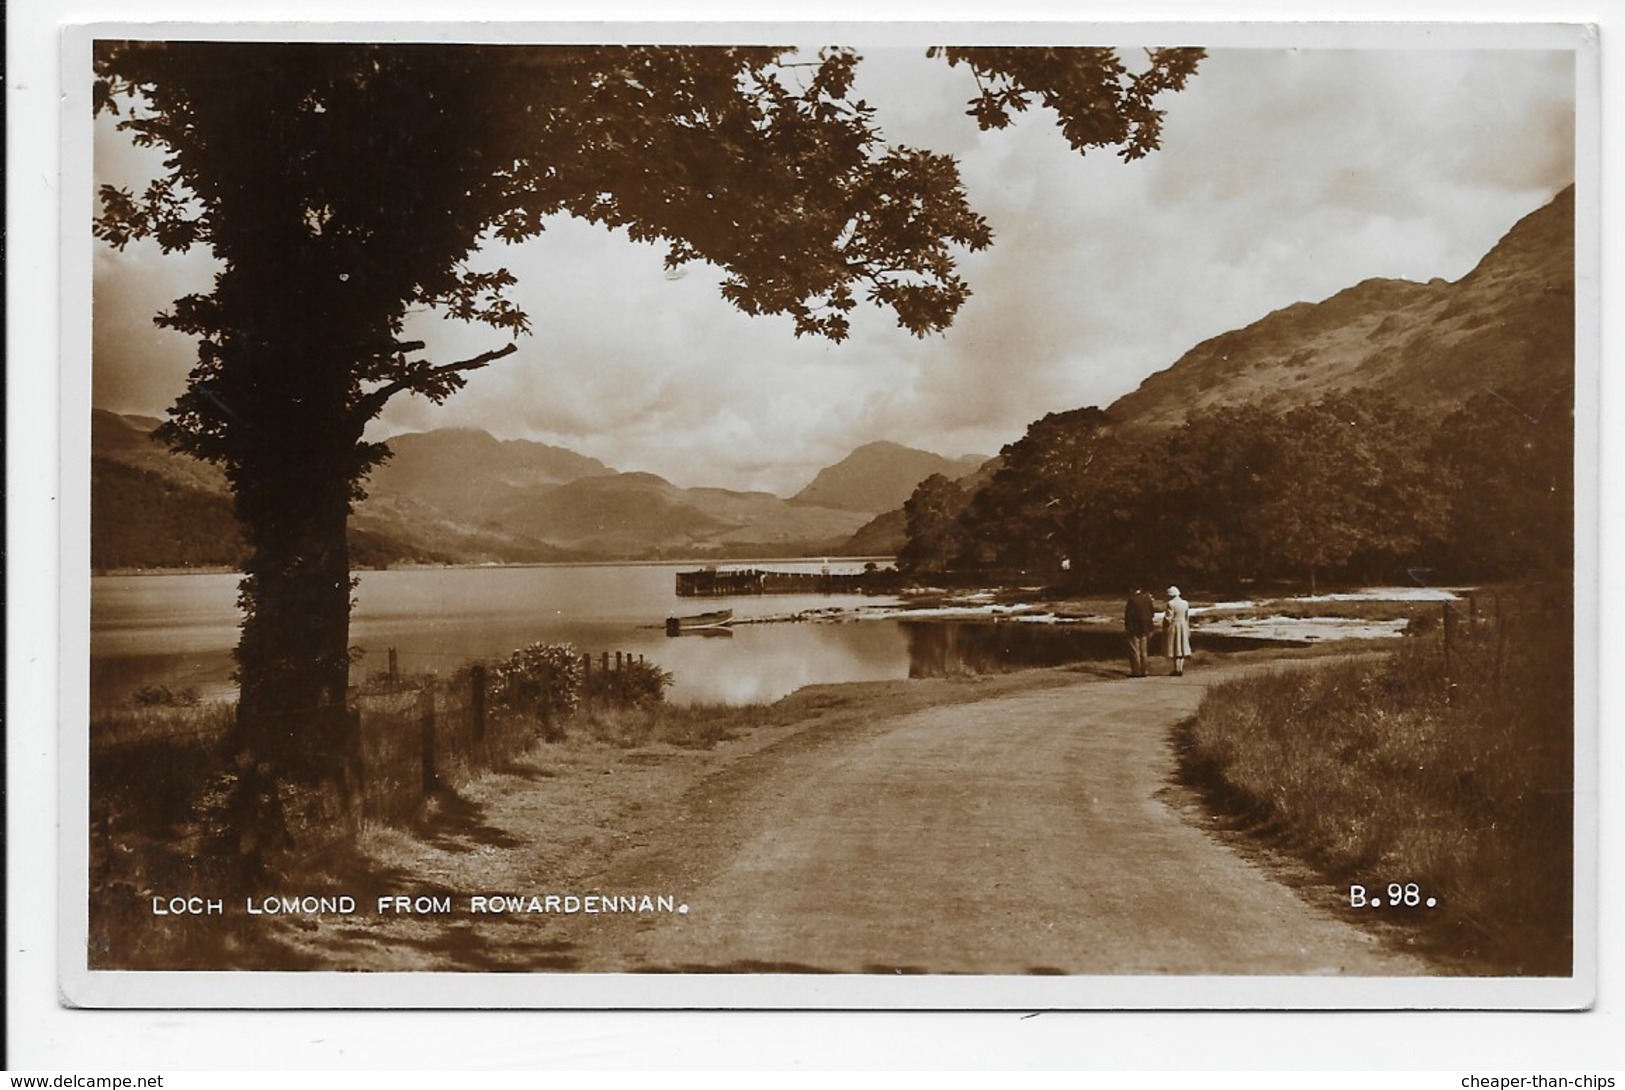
(1139, 621)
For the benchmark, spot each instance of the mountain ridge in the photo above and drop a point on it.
(878, 476)
(455, 495)
(1507, 325)
(1506, 322)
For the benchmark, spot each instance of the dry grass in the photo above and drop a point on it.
(567, 810)
(152, 724)
(692, 726)
(148, 766)
(1386, 770)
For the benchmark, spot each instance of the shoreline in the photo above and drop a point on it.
(645, 562)
(1370, 614)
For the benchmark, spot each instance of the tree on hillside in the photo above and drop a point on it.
(1354, 483)
(1203, 485)
(1026, 516)
(936, 534)
(1506, 460)
(341, 185)
(1234, 493)
(1242, 492)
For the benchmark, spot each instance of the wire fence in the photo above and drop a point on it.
(414, 735)
(1482, 634)
(419, 735)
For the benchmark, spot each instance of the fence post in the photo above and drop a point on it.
(394, 669)
(426, 731)
(586, 681)
(476, 701)
(1447, 627)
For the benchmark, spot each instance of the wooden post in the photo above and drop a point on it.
(476, 700)
(394, 668)
(617, 662)
(1447, 627)
(586, 681)
(426, 730)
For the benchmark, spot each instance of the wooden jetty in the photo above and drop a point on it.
(712, 583)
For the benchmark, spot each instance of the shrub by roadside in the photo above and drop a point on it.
(1455, 775)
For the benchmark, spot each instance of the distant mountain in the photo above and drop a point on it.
(884, 534)
(451, 496)
(465, 473)
(154, 508)
(150, 508)
(640, 514)
(1507, 325)
(142, 518)
(878, 477)
(128, 441)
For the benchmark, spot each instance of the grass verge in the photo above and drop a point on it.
(564, 812)
(1454, 775)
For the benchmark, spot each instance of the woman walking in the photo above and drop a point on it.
(1176, 630)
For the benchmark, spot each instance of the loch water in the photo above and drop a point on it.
(177, 630)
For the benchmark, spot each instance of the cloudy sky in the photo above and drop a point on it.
(1284, 175)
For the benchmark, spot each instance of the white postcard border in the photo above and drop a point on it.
(592, 991)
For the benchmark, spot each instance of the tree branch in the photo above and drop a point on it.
(401, 347)
(422, 381)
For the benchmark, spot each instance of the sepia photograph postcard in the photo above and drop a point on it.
(829, 516)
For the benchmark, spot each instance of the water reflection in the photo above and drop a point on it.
(178, 631)
(950, 648)
(763, 662)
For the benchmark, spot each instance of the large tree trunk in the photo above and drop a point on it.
(293, 476)
(294, 728)
(293, 658)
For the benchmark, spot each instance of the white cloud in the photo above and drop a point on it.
(1283, 176)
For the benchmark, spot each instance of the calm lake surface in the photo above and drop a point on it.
(178, 630)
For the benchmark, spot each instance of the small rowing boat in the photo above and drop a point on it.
(716, 621)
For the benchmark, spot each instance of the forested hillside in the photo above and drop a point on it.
(1393, 432)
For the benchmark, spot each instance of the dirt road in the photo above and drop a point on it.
(1028, 833)
(1016, 824)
